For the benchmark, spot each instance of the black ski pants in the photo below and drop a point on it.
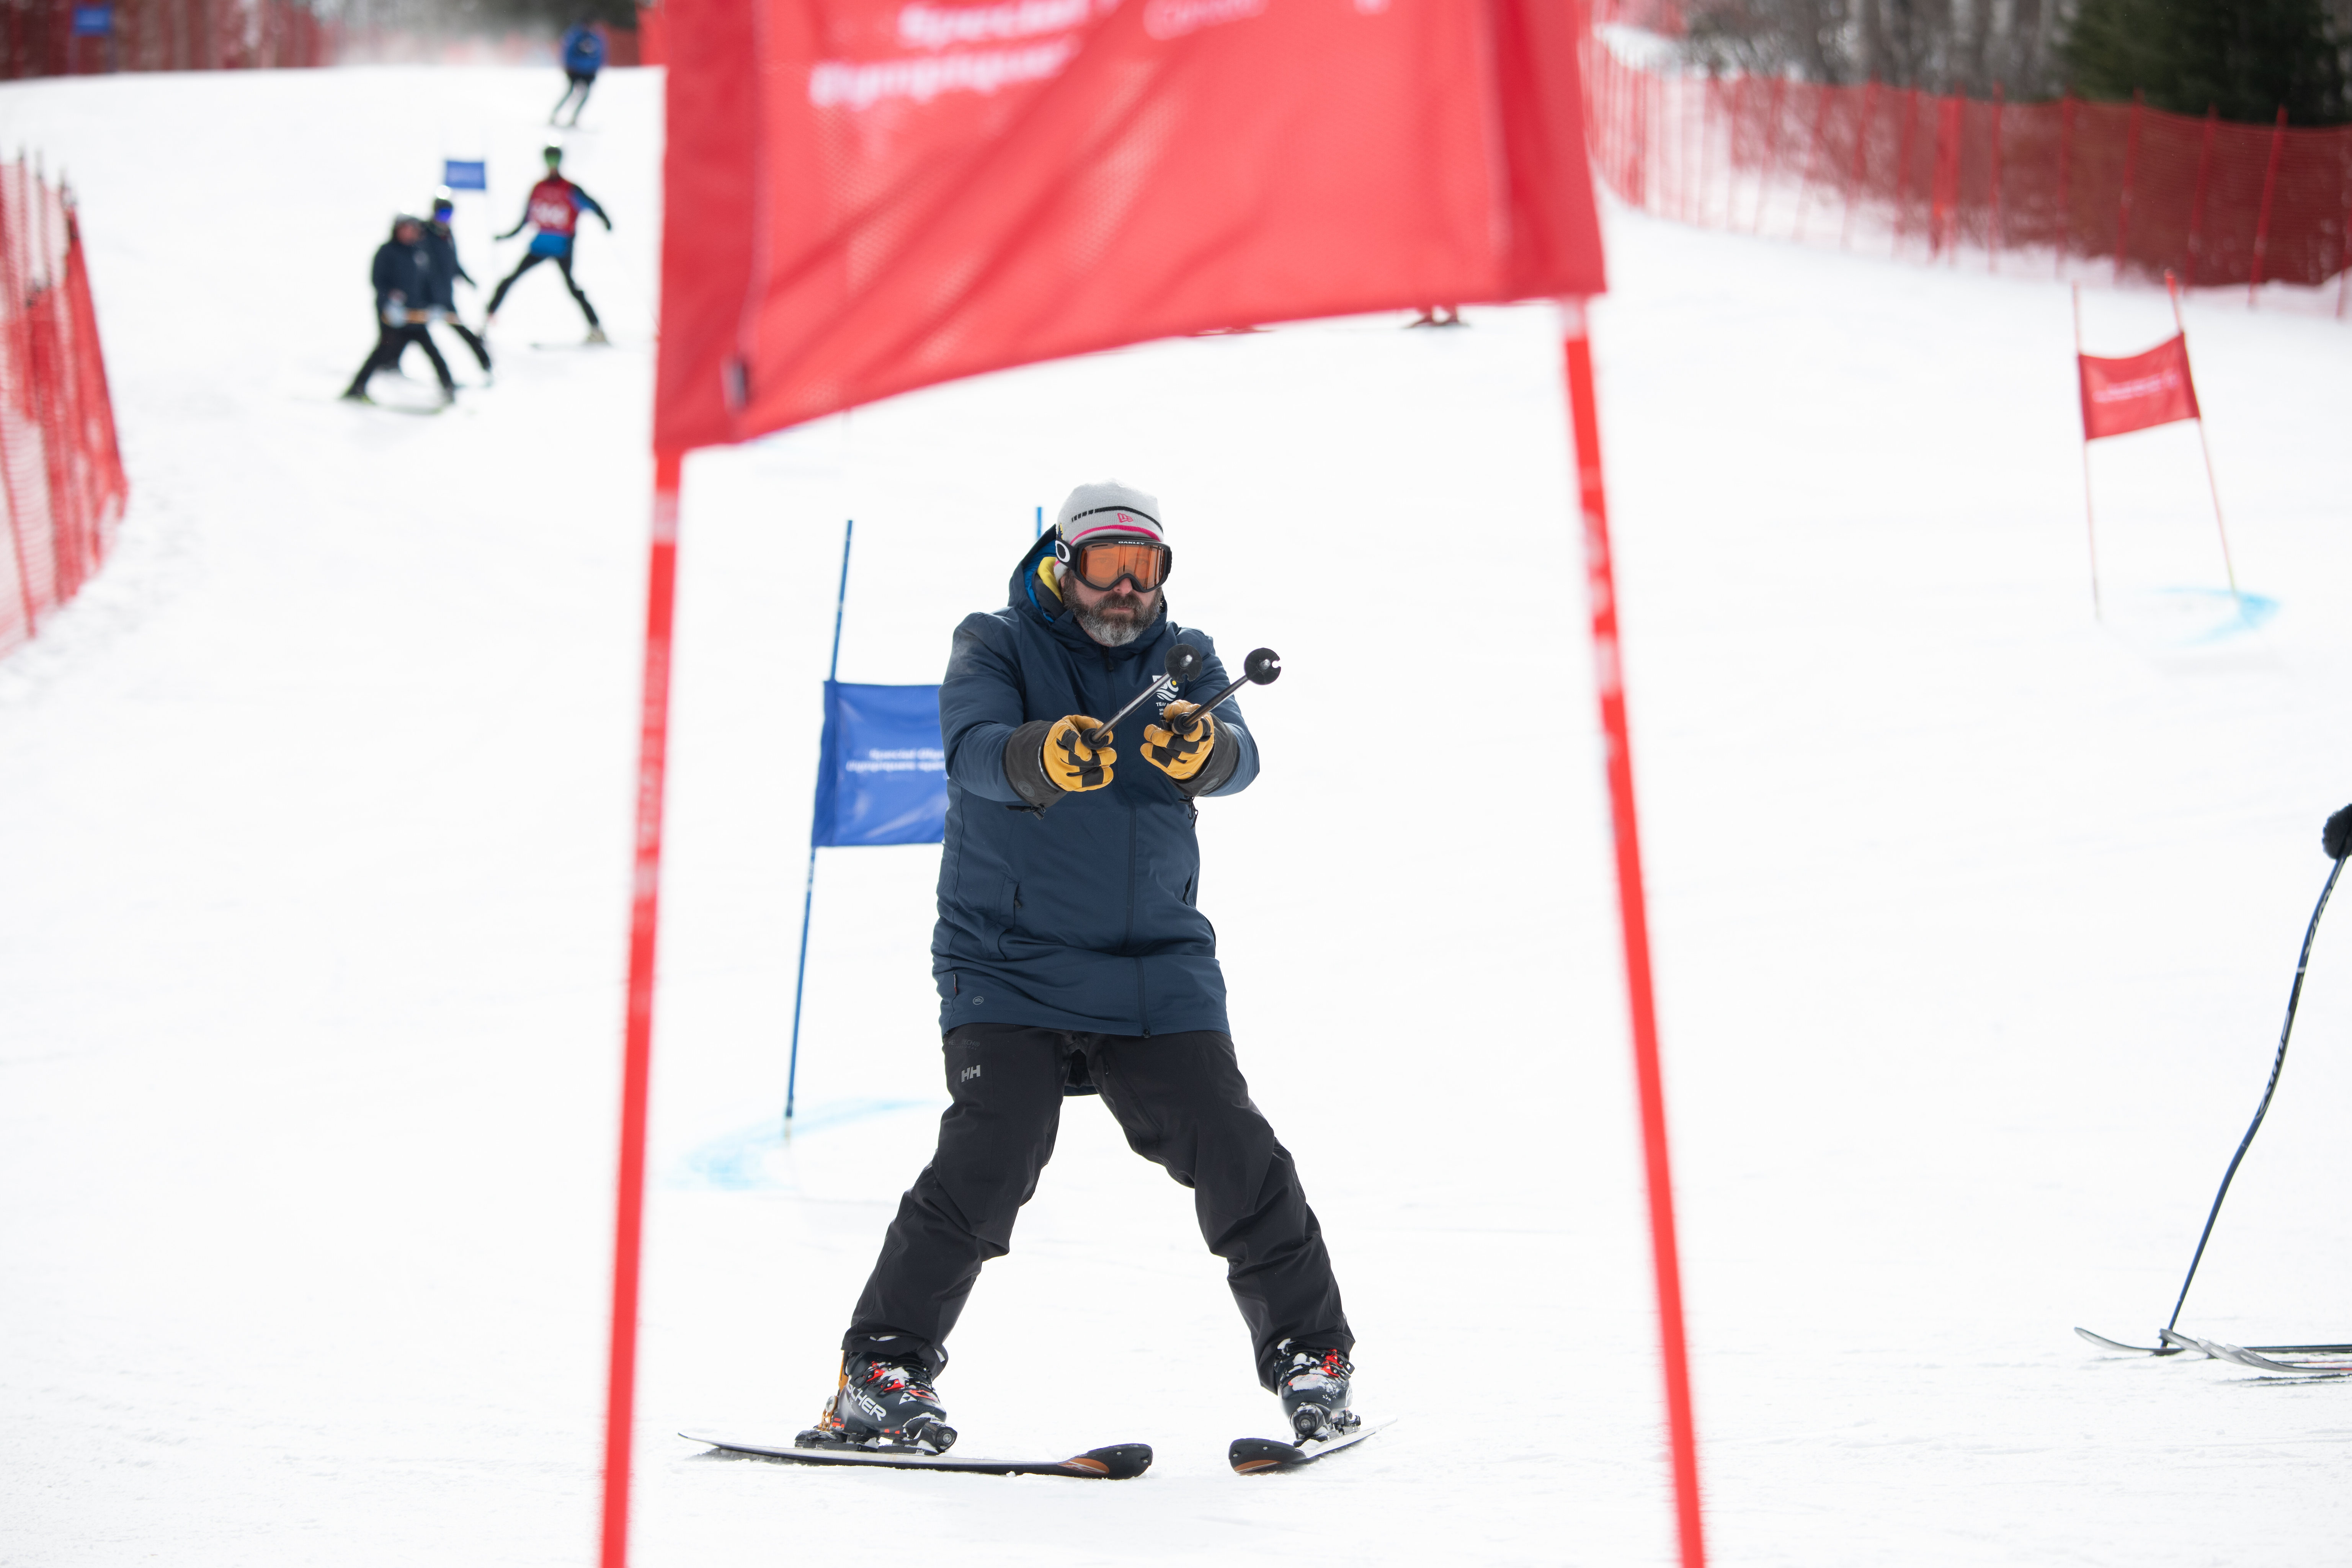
(1183, 1103)
(390, 344)
(574, 81)
(563, 264)
(465, 335)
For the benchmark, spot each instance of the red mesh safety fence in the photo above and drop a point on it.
(38, 38)
(61, 482)
(2072, 186)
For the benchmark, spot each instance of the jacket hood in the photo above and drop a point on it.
(1028, 594)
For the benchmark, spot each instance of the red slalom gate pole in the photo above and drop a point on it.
(1584, 420)
(629, 1209)
(2090, 520)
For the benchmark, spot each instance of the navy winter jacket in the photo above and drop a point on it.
(1082, 916)
(440, 248)
(583, 50)
(404, 271)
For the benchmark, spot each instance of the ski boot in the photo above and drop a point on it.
(884, 1405)
(1314, 1389)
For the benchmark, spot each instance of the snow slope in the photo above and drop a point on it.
(1974, 917)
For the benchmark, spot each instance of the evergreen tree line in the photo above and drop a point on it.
(2243, 57)
(457, 18)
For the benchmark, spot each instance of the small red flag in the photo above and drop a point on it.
(2120, 396)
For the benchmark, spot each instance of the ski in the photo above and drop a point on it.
(2174, 1343)
(2106, 1343)
(1120, 1462)
(2255, 1361)
(1264, 1456)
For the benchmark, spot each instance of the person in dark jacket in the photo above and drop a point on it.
(583, 56)
(553, 208)
(402, 275)
(440, 245)
(1071, 957)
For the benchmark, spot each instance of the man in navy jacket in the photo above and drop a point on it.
(402, 275)
(1071, 959)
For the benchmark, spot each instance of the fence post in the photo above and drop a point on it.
(2344, 236)
(2131, 172)
(1709, 97)
(7, 478)
(1954, 128)
(1812, 157)
(15, 390)
(1771, 152)
(1993, 233)
(2197, 202)
(1903, 143)
(2262, 224)
(2066, 176)
(1861, 151)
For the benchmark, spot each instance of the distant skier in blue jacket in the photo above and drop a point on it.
(583, 56)
(1071, 958)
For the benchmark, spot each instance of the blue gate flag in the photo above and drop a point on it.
(466, 174)
(882, 769)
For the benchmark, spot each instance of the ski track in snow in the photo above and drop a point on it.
(1974, 918)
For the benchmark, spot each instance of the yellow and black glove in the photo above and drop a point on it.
(1071, 765)
(1180, 744)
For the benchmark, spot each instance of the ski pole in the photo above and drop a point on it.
(1261, 667)
(2278, 1063)
(1184, 659)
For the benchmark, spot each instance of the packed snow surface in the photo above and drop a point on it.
(1974, 916)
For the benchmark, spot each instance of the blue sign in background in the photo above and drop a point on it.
(93, 21)
(465, 174)
(882, 772)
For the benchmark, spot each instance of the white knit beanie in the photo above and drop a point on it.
(1107, 507)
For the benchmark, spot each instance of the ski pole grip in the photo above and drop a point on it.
(1184, 660)
(1261, 667)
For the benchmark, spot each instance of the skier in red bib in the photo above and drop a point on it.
(554, 210)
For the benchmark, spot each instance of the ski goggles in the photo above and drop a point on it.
(1100, 563)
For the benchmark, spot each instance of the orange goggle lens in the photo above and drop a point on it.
(1141, 562)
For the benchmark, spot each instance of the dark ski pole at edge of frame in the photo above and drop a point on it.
(2278, 1063)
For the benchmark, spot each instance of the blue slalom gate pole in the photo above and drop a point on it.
(808, 893)
(1041, 524)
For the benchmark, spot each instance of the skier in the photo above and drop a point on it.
(402, 275)
(441, 250)
(1070, 960)
(583, 56)
(553, 208)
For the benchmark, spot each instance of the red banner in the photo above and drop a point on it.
(866, 196)
(2120, 396)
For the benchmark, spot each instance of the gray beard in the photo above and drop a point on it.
(1113, 631)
